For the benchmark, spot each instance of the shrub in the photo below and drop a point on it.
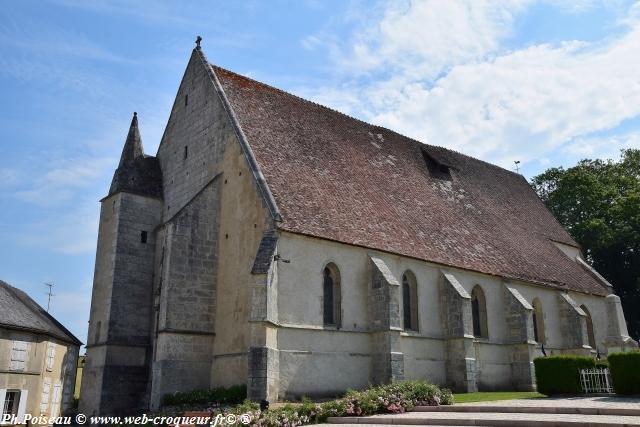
(561, 374)
(602, 364)
(625, 372)
(221, 396)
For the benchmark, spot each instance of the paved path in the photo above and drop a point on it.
(433, 417)
(575, 402)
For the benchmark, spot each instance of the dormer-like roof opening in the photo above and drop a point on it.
(436, 168)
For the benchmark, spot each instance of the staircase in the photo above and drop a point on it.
(524, 415)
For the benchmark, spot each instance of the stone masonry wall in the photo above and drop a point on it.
(118, 350)
(194, 140)
(214, 221)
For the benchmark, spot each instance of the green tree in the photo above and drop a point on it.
(598, 202)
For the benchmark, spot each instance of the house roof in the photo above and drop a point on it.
(339, 178)
(19, 311)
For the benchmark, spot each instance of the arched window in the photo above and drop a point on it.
(538, 322)
(331, 295)
(590, 333)
(409, 301)
(479, 312)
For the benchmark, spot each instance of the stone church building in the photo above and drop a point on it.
(280, 244)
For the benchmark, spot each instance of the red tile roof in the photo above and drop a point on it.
(338, 178)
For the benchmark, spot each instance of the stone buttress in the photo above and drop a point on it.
(455, 302)
(387, 359)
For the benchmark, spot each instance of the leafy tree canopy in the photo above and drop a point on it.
(598, 202)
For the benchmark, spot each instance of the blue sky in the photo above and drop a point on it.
(543, 82)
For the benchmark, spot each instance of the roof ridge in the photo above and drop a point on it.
(41, 313)
(333, 110)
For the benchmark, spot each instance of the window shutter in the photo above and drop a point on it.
(22, 406)
(55, 400)
(3, 394)
(19, 355)
(51, 355)
(46, 389)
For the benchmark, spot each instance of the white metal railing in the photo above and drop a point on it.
(596, 380)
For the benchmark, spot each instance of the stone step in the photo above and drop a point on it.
(380, 425)
(531, 409)
(492, 419)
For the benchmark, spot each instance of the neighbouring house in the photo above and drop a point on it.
(37, 358)
(281, 244)
(78, 382)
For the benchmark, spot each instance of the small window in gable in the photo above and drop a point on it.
(186, 100)
(186, 151)
(436, 168)
(143, 237)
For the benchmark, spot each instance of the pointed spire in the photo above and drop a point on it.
(133, 146)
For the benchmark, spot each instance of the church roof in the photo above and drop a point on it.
(339, 178)
(137, 173)
(19, 311)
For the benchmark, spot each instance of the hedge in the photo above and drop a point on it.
(625, 372)
(221, 395)
(561, 374)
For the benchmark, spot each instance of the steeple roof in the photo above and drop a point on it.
(137, 173)
(133, 145)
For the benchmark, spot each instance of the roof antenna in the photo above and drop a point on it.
(198, 40)
(49, 295)
(517, 162)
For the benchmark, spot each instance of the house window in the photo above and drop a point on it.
(19, 355)
(186, 152)
(143, 237)
(51, 355)
(479, 313)
(186, 100)
(409, 301)
(590, 333)
(11, 401)
(538, 322)
(331, 296)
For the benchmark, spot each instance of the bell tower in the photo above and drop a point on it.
(116, 373)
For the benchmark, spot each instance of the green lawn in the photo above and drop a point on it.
(495, 395)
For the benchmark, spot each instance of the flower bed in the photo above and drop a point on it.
(386, 399)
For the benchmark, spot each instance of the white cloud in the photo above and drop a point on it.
(59, 184)
(442, 77)
(602, 147)
(420, 39)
